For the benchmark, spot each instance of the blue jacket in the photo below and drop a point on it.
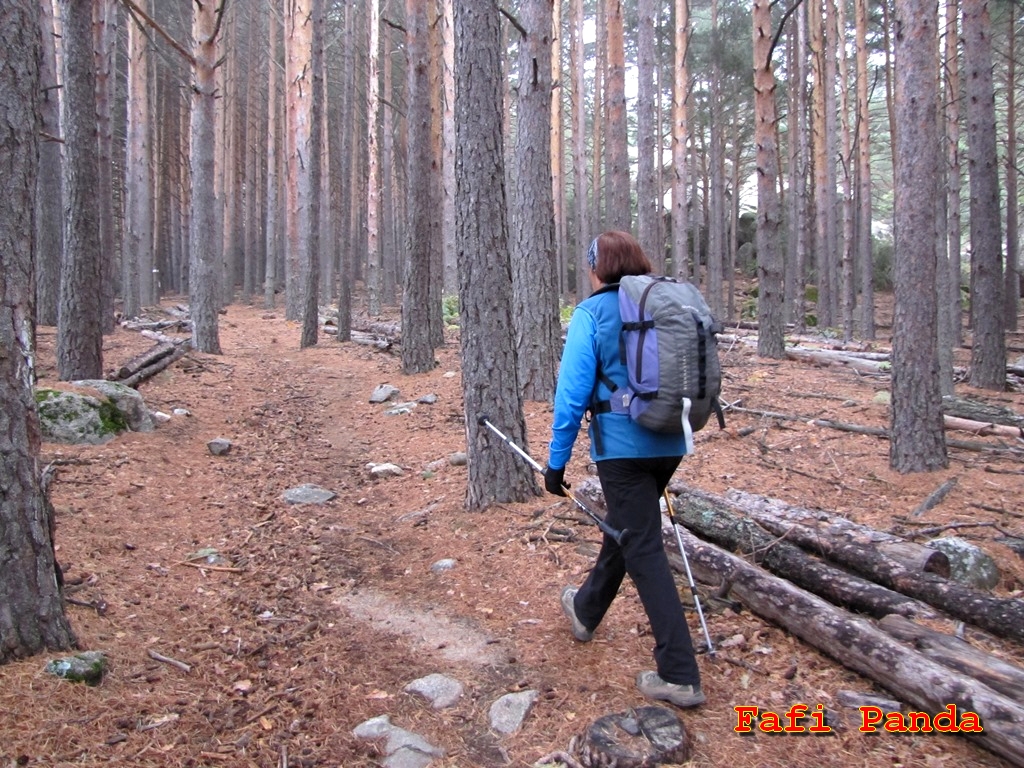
(594, 336)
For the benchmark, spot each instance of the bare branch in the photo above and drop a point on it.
(137, 13)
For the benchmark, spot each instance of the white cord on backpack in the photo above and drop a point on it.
(687, 431)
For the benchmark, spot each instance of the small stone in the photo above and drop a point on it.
(385, 470)
(307, 493)
(508, 713)
(159, 417)
(443, 565)
(428, 399)
(181, 412)
(219, 446)
(383, 393)
(457, 459)
(441, 691)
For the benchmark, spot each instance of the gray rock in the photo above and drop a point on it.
(407, 757)
(443, 565)
(219, 446)
(458, 459)
(968, 564)
(441, 691)
(400, 409)
(77, 418)
(385, 470)
(383, 393)
(428, 399)
(404, 749)
(127, 400)
(307, 493)
(508, 713)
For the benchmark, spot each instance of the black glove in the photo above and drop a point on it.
(554, 479)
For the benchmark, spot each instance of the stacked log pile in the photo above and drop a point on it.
(858, 595)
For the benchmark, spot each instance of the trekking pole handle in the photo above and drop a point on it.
(619, 536)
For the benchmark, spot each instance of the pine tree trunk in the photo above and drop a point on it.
(49, 199)
(617, 197)
(770, 341)
(581, 192)
(421, 207)
(374, 279)
(33, 617)
(136, 253)
(988, 351)
(1011, 275)
(918, 437)
(648, 195)
(534, 265)
(680, 131)
(104, 55)
(272, 217)
(865, 255)
(203, 279)
(489, 375)
(79, 321)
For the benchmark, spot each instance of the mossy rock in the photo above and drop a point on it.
(73, 417)
(87, 667)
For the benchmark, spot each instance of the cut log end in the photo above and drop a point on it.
(637, 738)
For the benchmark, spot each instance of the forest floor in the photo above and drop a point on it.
(318, 616)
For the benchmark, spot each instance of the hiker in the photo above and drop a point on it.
(634, 465)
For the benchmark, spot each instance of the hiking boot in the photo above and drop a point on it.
(653, 687)
(580, 632)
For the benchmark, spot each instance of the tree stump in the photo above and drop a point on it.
(636, 738)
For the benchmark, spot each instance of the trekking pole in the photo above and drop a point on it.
(619, 536)
(689, 575)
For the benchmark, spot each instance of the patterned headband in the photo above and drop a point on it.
(592, 254)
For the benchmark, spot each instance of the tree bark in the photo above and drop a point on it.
(617, 198)
(918, 441)
(680, 131)
(33, 617)
(864, 239)
(534, 256)
(49, 231)
(79, 320)
(988, 353)
(422, 205)
(770, 296)
(136, 251)
(203, 275)
(648, 141)
(489, 372)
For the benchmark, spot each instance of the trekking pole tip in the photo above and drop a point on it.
(482, 419)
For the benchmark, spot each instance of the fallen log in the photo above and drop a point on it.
(981, 428)
(142, 360)
(714, 520)
(952, 652)
(181, 349)
(859, 645)
(914, 556)
(976, 410)
(826, 358)
(1003, 617)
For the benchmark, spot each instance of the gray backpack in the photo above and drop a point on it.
(670, 349)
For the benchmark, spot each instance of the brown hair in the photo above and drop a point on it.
(619, 254)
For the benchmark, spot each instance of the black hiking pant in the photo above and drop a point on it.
(633, 489)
